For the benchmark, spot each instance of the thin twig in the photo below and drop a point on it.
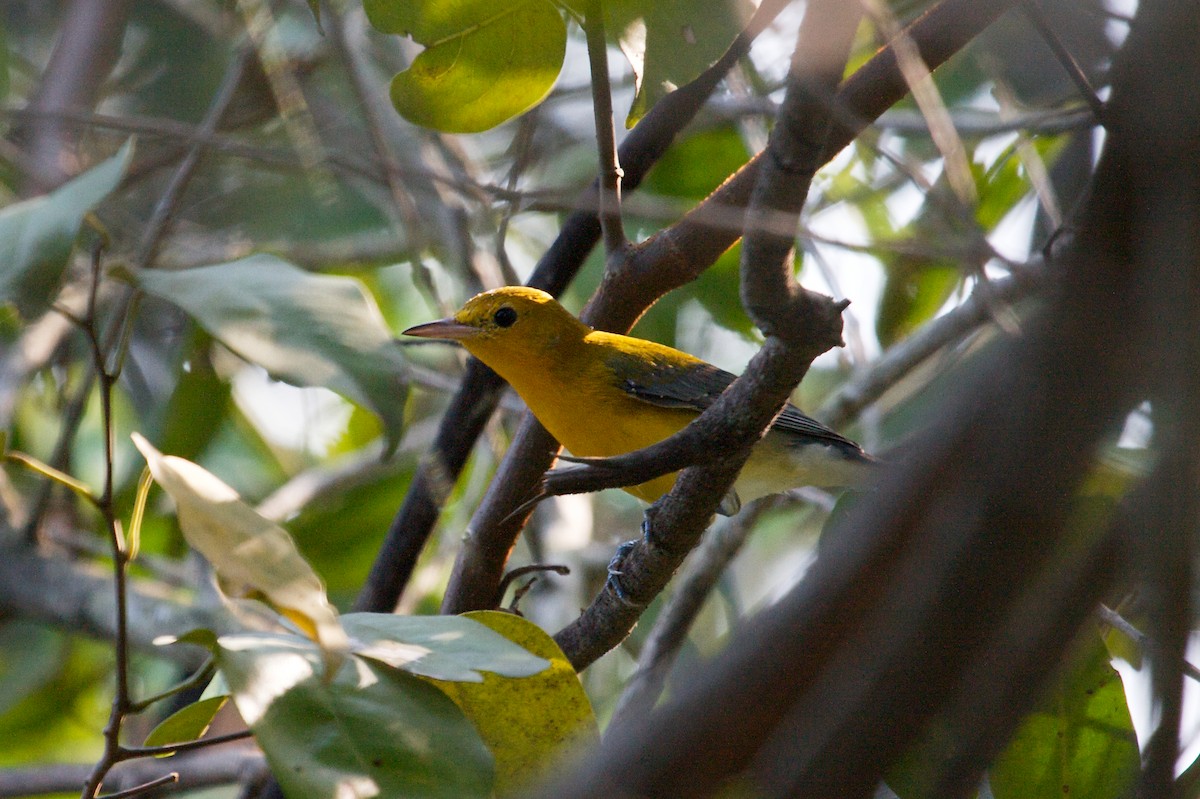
(132, 752)
(1033, 10)
(611, 224)
(145, 787)
(1118, 622)
(121, 704)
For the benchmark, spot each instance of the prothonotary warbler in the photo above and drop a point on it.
(603, 394)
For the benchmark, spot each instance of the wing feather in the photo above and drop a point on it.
(696, 385)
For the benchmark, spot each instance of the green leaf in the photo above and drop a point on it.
(483, 63)
(245, 549)
(372, 732)
(1080, 744)
(37, 235)
(915, 290)
(698, 163)
(450, 648)
(305, 329)
(187, 723)
(669, 44)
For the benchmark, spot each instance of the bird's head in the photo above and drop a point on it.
(506, 323)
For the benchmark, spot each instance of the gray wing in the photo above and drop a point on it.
(697, 386)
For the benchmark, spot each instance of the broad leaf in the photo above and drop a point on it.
(186, 724)
(483, 62)
(37, 235)
(244, 548)
(304, 329)
(1080, 744)
(371, 732)
(529, 723)
(450, 648)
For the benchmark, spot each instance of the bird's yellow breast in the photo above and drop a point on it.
(579, 401)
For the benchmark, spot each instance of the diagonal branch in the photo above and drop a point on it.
(799, 324)
(674, 257)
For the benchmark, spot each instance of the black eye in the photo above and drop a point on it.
(504, 317)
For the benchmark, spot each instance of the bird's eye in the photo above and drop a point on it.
(504, 317)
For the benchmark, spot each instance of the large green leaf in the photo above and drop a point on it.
(483, 62)
(305, 329)
(373, 731)
(37, 235)
(441, 647)
(1080, 744)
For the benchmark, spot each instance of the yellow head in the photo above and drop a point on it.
(509, 328)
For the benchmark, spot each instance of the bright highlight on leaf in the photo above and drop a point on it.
(245, 549)
(529, 723)
(304, 329)
(451, 648)
(483, 63)
(37, 235)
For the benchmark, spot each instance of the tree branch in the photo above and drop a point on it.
(480, 563)
(799, 325)
(933, 566)
(672, 258)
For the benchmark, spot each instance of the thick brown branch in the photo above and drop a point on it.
(936, 565)
(678, 255)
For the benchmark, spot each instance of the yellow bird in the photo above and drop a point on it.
(602, 394)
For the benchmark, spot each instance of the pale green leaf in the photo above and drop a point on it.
(37, 235)
(373, 731)
(246, 549)
(450, 648)
(483, 62)
(304, 329)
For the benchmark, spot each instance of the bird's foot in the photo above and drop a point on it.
(615, 572)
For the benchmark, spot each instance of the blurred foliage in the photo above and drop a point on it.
(326, 237)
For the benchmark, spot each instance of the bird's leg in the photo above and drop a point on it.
(615, 572)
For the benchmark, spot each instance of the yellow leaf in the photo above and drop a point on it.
(247, 549)
(529, 723)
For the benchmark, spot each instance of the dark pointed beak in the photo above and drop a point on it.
(442, 328)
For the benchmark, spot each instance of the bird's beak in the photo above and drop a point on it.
(442, 328)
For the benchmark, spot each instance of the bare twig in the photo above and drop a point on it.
(89, 43)
(1033, 10)
(611, 225)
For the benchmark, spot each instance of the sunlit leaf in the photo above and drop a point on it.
(529, 723)
(1080, 744)
(304, 329)
(186, 724)
(37, 235)
(450, 648)
(244, 548)
(372, 731)
(483, 62)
